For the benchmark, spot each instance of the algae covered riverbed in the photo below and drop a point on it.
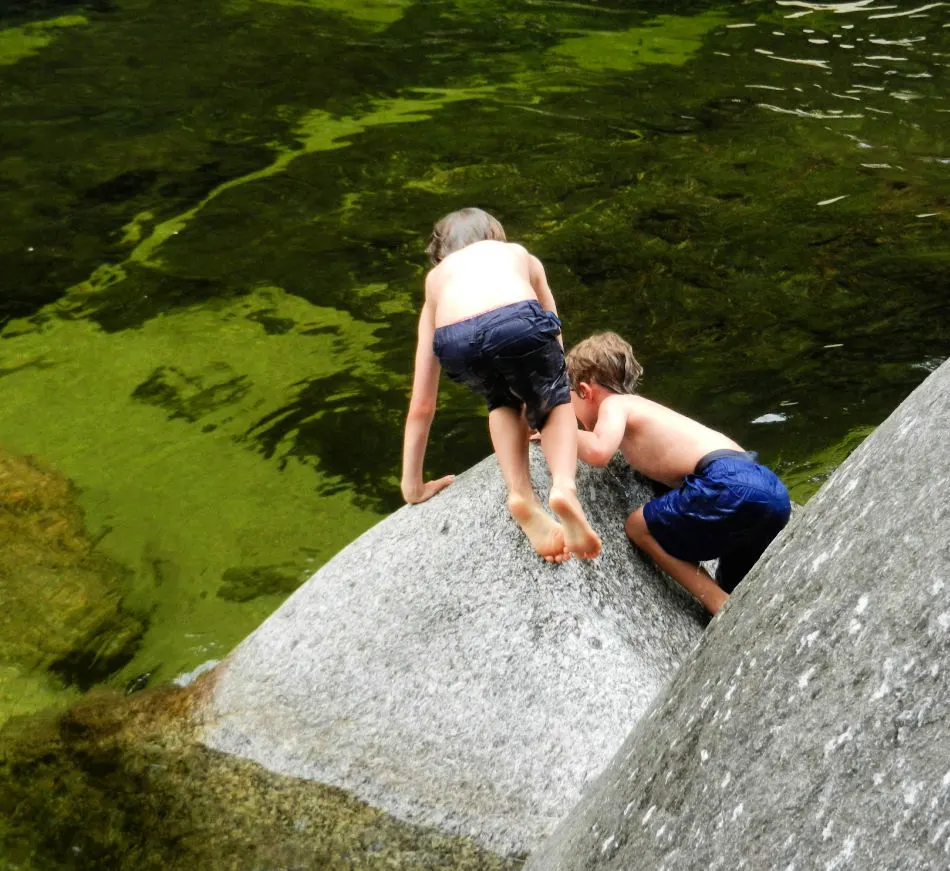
(213, 252)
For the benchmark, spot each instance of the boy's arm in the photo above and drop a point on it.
(539, 283)
(425, 390)
(598, 447)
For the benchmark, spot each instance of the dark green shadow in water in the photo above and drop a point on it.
(212, 260)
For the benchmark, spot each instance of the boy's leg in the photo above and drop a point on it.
(559, 443)
(509, 436)
(529, 360)
(693, 578)
(736, 564)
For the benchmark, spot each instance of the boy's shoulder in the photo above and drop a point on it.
(639, 407)
(490, 246)
(620, 405)
(486, 248)
(631, 401)
(645, 403)
(513, 249)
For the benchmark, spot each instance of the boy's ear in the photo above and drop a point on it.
(583, 390)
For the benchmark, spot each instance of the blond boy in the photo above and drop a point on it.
(722, 503)
(489, 320)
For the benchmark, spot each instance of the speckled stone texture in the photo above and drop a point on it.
(442, 672)
(809, 728)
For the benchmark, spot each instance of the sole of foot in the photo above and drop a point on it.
(579, 538)
(544, 532)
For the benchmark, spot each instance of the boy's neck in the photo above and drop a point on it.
(599, 393)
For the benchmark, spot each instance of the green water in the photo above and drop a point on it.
(212, 255)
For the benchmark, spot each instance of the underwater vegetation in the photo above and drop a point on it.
(62, 624)
(157, 448)
(214, 251)
(119, 783)
(210, 269)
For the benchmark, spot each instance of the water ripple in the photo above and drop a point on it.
(872, 72)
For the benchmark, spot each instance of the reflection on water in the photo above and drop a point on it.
(859, 63)
(213, 256)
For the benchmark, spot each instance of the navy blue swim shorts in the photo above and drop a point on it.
(510, 356)
(730, 507)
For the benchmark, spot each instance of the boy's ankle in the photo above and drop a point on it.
(520, 499)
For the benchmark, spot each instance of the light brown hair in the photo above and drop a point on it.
(606, 359)
(461, 228)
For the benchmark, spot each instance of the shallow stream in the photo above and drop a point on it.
(212, 257)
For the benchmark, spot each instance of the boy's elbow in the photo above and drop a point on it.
(421, 411)
(596, 457)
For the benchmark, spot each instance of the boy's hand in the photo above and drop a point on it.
(414, 495)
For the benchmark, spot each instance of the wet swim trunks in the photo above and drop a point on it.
(730, 507)
(510, 356)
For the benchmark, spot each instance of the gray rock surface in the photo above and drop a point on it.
(809, 728)
(440, 671)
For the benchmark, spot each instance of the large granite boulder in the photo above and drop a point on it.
(808, 729)
(440, 671)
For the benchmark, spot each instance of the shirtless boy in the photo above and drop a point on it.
(721, 502)
(490, 321)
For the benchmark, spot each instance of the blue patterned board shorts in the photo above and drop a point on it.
(730, 507)
(510, 356)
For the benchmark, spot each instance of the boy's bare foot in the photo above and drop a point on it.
(579, 538)
(543, 531)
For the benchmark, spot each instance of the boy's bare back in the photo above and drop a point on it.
(663, 444)
(657, 441)
(482, 277)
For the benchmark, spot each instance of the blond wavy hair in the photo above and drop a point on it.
(606, 359)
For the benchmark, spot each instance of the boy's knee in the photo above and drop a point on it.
(636, 527)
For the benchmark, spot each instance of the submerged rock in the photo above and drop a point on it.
(120, 783)
(808, 728)
(61, 605)
(439, 670)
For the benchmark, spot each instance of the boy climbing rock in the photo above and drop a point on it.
(490, 321)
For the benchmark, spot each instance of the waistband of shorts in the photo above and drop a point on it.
(502, 312)
(725, 454)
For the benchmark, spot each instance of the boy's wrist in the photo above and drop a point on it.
(412, 490)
